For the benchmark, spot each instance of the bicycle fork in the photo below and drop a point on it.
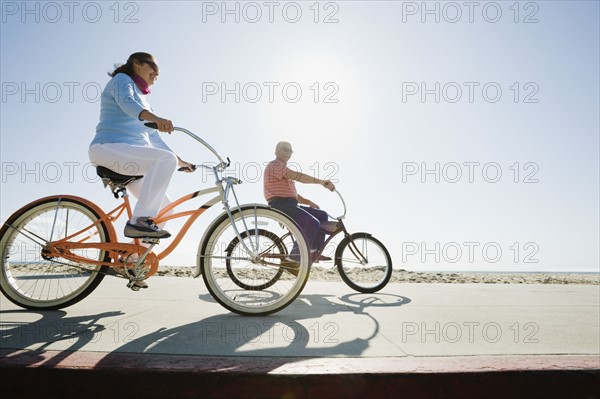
(254, 253)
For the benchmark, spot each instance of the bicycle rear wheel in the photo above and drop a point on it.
(31, 279)
(364, 263)
(271, 260)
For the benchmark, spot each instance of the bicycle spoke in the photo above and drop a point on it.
(33, 234)
(54, 222)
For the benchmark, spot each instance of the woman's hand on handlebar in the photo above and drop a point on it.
(162, 124)
(185, 166)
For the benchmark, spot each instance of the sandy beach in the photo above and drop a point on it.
(319, 273)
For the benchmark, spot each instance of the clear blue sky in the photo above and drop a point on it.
(497, 101)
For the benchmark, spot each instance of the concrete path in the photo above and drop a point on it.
(404, 330)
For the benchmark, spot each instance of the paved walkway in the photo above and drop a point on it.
(406, 329)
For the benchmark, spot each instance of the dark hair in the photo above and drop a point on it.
(128, 67)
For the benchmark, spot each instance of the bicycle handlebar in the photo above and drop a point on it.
(343, 203)
(222, 164)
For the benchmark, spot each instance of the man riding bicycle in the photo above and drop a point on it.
(280, 193)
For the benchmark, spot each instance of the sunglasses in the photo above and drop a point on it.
(152, 65)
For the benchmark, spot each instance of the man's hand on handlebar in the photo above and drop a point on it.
(328, 184)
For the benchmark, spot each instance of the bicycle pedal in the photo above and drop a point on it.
(148, 240)
(135, 287)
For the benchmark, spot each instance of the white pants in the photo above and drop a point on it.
(155, 164)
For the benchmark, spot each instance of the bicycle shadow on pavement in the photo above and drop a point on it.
(299, 332)
(52, 327)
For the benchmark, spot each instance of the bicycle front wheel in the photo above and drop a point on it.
(31, 279)
(364, 263)
(255, 263)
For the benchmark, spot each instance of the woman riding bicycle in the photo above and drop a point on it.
(125, 145)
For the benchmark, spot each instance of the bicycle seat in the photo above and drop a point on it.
(108, 176)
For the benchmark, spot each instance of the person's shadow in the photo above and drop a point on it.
(53, 326)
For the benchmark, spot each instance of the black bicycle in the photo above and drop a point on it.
(362, 260)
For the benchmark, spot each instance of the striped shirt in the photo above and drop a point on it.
(275, 184)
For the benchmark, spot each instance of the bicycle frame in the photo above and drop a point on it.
(353, 248)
